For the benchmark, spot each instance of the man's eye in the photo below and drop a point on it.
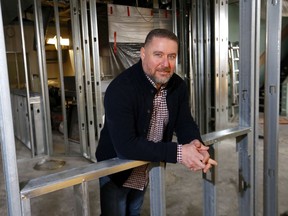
(172, 57)
(158, 54)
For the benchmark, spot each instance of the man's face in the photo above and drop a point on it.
(159, 59)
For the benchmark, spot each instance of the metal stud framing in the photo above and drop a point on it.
(157, 189)
(7, 139)
(207, 63)
(96, 68)
(271, 107)
(247, 73)
(31, 134)
(80, 92)
(221, 64)
(88, 79)
(90, 108)
(61, 73)
(39, 30)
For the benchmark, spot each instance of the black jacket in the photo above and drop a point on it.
(128, 109)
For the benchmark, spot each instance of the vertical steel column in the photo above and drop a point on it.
(80, 89)
(157, 189)
(194, 59)
(82, 199)
(271, 108)
(7, 140)
(88, 80)
(183, 43)
(96, 69)
(209, 188)
(200, 67)
(26, 206)
(254, 161)
(174, 15)
(207, 63)
(220, 96)
(31, 134)
(39, 30)
(222, 73)
(248, 74)
(221, 63)
(216, 61)
(200, 74)
(61, 73)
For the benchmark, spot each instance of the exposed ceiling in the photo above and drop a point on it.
(10, 9)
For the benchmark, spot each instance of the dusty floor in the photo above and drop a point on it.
(184, 188)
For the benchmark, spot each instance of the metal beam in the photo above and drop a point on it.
(39, 33)
(88, 80)
(38, 186)
(247, 74)
(157, 189)
(80, 89)
(271, 107)
(53, 182)
(27, 83)
(61, 75)
(96, 71)
(7, 139)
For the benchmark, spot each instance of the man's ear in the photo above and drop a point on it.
(142, 53)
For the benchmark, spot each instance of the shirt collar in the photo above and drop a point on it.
(153, 83)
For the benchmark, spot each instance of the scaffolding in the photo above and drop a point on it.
(234, 80)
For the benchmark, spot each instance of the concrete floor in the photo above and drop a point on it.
(184, 192)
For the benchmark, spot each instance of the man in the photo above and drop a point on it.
(144, 106)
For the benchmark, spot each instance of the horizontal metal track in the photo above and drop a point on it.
(57, 181)
(218, 136)
(71, 177)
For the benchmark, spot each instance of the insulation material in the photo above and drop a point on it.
(127, 30)
(131, 24)
(124, 55)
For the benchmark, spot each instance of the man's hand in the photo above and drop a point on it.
(195, 156)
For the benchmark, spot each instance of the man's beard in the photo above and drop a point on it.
(159, 79)
(162, 80)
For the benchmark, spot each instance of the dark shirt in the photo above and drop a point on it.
(128, 106)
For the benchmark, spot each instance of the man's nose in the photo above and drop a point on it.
(165, 61)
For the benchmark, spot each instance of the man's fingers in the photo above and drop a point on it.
(200, 164)
(202, 148)
(207, 167)
(212, 162)
(197, 144)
